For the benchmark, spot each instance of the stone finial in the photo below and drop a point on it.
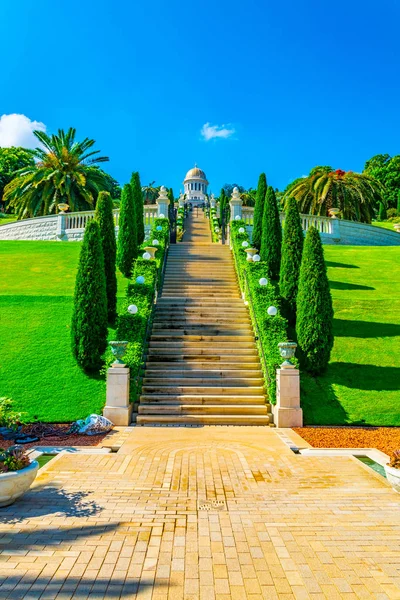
(235, 194)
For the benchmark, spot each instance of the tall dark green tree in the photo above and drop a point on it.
(271, 239)
(127, 246)
(314, 323)
(138, 201)
(259, 210)
(171, 204)
(105, 218)
(292, 249)
(89, 317)
(382, 212)
(223, 200)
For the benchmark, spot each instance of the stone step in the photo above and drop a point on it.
(203, 419)
(205, 326)
(202, 390)
(189, 358)
(182, 381)
(198, 344)
(203, 365)
(176, 335)
(203, 409)
(237, 374)
(200, 350)
(163, 400)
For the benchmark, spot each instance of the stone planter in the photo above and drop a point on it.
(152, 251)
(393, 477)
(16, 483)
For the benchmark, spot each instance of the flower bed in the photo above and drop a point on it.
(271, 329)
(386, 439)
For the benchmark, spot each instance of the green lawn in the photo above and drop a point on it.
(36, 366)
(5, 219)
(362, 383)
(384, 224)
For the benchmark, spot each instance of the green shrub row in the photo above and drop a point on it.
(271, 329)
(133, 328)
(215, 225)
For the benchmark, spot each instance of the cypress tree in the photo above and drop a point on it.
(259, 210)
(171, 205)
(139, 212)
(105, 218)
(271, 239)
(292, 248)
(222, 203)
(314, 326)
(127, 246)
(382, 212)
(89, 317)
(398, 203)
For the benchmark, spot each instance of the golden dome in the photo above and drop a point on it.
(195, 172)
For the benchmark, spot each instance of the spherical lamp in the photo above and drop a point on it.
(256, 258)
(146, 256)
(272, 311)
(140, 279)
(162, 216)
(237, 218)
(158, 228)
(155, 242)
(245, 244)
(263, 281)
(241, 229)
(132, 309)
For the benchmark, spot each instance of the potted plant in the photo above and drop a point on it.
(392, 470)
(17, 473)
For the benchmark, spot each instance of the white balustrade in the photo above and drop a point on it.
(248, 215)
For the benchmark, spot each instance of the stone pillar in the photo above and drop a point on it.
(162, 202)
(212, 201)
(335, 229)
(181, 201)
(118, 408)
(61, 223)
(287, 411)
(236, 205)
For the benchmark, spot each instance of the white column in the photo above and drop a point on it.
(181, 201)
(162, 202)
(236, 204)
(61, 222)
(287, 411)
(118, 408)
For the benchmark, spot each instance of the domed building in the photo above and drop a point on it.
(195, 184)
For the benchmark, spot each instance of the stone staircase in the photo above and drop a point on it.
(202, 362)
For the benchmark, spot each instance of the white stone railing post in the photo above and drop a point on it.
(118, 408)
(162, 202)
(61, 226)
(213, 202)
(236, 205)
(181, 201)
(287, 411)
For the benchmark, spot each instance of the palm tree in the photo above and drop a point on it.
(356, 195)
(249, 197)
(64, 172)
(150, 193)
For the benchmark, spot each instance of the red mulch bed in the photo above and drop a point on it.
(56, 440)
(386, 439)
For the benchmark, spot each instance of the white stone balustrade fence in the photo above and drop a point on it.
(67, 227)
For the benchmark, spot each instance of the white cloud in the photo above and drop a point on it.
(210, 132)
(17, 130)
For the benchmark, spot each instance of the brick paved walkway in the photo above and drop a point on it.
(202, 513)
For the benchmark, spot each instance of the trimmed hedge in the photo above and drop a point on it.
(272, 330)
(133, 327)
(214, 224)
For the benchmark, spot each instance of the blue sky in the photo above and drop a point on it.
(299, 83)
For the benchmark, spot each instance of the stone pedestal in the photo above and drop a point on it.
(118, 408)
(181, 201)
(61, 224)
(236, 205)
(287, 411)
(162, 202)
(213, 202)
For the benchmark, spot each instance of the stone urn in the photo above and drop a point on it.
(287, 350)
(118, 349)
(152, 251)
(15, 483)
(62, 208)
(250, 253)
(393, 477)
(397, 227)
(333, 212)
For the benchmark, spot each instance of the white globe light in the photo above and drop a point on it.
(272, 310)
(241, 229)
(146, 256)
(237, 218)
(217, 230)
(155, 242)
(263, 281)
(140, 279)
(162, 216)
(256, 258)
(132, 309)
(158, 228)
(245, 244)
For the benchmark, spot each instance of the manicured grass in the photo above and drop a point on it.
(384, 225)
(362, 383)
(5, 219)
(36, 366)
